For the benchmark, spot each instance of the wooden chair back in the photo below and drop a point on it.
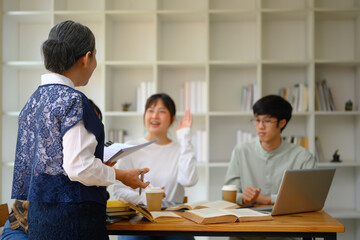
(4, 213)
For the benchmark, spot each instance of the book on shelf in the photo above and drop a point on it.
(219, 204)
(319, 93)
(249, 95)
(284, 93)
(199, 94)
(243, 136)
(319, 154)
(199, 142)
(302, 141)
(115, 151)
(317, 98)
(154, 216)
(297, 96)
(117, 135)
(294, 97)
(323, 97)
(144, 91)
(326, 95)
(304, 98)
(193, 96)
(213, 215)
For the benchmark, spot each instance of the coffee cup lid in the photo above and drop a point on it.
(229, 188)
(154, 190)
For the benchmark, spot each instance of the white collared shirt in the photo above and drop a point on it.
(80, 163)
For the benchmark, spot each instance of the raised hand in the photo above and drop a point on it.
(186, 122)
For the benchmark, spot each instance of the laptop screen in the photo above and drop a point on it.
(302, 190)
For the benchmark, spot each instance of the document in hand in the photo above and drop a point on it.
(219, 204)
(115, 151)
(154, 216)
(213, 215)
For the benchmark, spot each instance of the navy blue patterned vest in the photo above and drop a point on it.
(38, 173)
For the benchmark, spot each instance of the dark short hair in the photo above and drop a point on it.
(67, 42)
(168, 102)
(275, 106)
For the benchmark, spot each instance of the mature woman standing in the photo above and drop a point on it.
(60, 144)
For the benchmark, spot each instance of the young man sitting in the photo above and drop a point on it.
(257, 167)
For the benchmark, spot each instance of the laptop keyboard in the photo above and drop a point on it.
(265, 209)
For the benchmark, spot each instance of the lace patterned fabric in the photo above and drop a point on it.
(38, 172)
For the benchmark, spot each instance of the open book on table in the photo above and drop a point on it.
(154, 216)
(219, 204)
(115, 151)
(213, 215)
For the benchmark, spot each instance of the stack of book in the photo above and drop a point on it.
(117, 211)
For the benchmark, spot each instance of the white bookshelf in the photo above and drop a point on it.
(226, 44)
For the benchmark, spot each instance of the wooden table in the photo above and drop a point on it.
(305, 225)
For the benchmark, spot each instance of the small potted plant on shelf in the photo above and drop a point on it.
(126, 106)
(336, 156)
(348, 105)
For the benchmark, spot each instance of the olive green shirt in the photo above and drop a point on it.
(252, 165)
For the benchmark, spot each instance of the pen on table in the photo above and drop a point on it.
(142, 179)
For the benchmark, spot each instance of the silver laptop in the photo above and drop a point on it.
(303, 190)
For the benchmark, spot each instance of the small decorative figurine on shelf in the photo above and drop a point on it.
(348, 105)
(336, 156)
(126, 106)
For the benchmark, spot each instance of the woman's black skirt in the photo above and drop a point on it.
(67, 221)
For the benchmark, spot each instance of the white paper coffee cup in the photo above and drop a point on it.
(154, 197)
